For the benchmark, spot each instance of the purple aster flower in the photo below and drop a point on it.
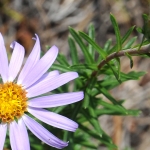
(32, 81)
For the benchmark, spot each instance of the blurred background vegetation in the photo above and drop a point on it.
(21, 19)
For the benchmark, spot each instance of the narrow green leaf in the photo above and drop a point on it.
(124, 38)
(62, 60)
(131, 60)
(95, 135)
(146, 26)
(112, 107)
(80, 139)
(83, 47)
(116, 64)
(86, 100)
(91, 32)
(61, 68)
(85, 66)
(139, 30)
(128, 33)
(141, 42)
(115, 72)
(107, 111)
(112, 99)
(146, 42)
(92, 133)
(73, 51)
(109, 82)
(107, 45)
(130, 42)
(59, 109)
(94, 122)
(117, 32)
(124, 77)
(93, 43)
(87, 144)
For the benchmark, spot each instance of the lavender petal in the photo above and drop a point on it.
(31, 61)
(18, 136)
(3, 60)
(53, 119)
(24, 134)
(56, 100)
(43, 134)
(47, 76)
(51, 84)
(41, 67)
(16, 60)
(3, 129)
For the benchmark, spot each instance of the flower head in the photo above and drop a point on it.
(19, 95)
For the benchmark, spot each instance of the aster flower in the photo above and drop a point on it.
(18, 95)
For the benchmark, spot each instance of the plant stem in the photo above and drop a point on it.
(132, 52)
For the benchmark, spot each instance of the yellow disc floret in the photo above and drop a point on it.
(13, 102)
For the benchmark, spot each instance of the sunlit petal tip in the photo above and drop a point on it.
(16, 60)
(12, 45)
(55, 47)
(33, 38)
(36, 37)
(31, 61)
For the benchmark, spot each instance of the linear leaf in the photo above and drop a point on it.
(62, 59)
(91, 33)
(115, 72)
(117, 32)
(124, 38)
(73, 51)
(128, 33)
(84, 141)
(112, 99)
(111, 106)
(61, 68)
(93, 43)
(131, 60)
(95, 135)
(83, 47)
(129, 43)
(86, 100)
(107, 45)
(94, 122)
(85, 66)
(107, 111)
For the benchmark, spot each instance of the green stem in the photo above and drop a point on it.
(132, 52)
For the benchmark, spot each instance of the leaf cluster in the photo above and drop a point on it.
(97, 75)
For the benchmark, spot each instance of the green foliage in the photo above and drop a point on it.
(87, 112)
(117, 32)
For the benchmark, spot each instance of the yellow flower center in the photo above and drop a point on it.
(13, 102)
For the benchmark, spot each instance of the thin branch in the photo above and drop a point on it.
(132, 52)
